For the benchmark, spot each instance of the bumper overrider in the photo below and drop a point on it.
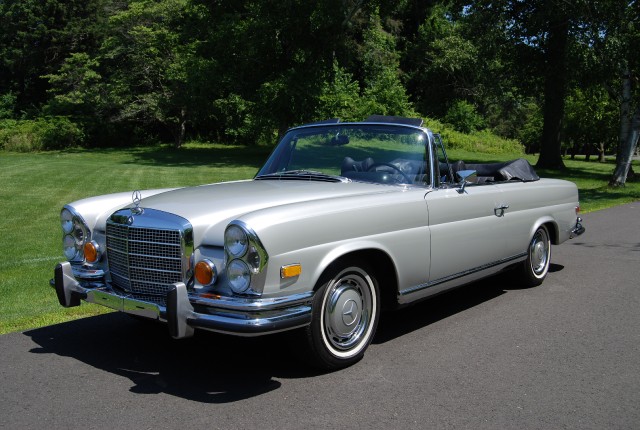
(185, 311)
(578, 229)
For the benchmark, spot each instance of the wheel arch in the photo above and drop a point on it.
(552, 228)
(377, 261)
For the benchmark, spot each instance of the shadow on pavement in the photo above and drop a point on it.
(209, 368)
(432, 310)
(217, 368)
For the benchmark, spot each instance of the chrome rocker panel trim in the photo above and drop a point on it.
(468, 275)
(244, 317)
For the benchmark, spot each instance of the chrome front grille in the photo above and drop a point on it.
(145, 259)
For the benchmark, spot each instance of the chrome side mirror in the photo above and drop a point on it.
(466, 177)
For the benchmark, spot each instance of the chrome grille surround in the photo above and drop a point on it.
(148, 252)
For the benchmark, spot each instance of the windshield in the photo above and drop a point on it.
(368, 153)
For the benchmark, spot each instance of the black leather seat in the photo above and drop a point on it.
(351, 165)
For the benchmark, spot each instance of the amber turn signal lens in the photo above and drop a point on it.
(290, 271)
(91, 252)
(205, 272)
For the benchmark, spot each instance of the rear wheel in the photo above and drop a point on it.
(345, 314)
(536, 265)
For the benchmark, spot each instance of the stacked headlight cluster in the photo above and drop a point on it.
(245, 256)
(75, 234)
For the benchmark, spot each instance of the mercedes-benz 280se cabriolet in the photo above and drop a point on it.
(342, 221)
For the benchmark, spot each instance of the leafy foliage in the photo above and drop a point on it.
(242, 72)
(464, 117)
(44, 133)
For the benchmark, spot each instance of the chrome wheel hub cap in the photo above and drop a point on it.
(347, 312)
(539, 252)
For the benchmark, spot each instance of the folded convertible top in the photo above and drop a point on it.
(514, 170)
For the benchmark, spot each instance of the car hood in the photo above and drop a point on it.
(209, 208)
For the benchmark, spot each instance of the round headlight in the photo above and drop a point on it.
(239, 276)
(69, 246)
(66, 221)
(236, 241)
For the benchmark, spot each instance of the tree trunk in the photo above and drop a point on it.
(627, 147)
(574, 149)
(181, 129)
(629, 132)
(554, 93)
(601, 158)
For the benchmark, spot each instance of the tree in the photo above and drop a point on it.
(624, 33)
(609, 40)
(463, 117)
(76, 88)
(443, 63)
(591, 122)
(340, 97)
(383, 92)
(555, 84)
(538, 35)
(629, 132)
(149, 65)
(36, 38)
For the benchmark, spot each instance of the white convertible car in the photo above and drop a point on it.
(343, 220)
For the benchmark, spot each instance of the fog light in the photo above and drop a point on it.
(206, 273)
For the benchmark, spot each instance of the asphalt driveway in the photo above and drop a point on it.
(487, 356)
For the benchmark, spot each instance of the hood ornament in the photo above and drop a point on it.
(137, 198)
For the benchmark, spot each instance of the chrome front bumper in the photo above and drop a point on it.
(244, 317)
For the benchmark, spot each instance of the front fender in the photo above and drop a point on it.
(350, 248)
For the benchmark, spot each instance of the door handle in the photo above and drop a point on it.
(499, 210)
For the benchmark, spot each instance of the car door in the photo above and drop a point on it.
(523, 199)
(466, 230)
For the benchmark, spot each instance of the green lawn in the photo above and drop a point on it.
(34, 186)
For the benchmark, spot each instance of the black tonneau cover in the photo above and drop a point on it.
(514, 170)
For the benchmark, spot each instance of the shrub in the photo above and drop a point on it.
(40, 134)
(7, 105)
(479, 141)
(463, 117)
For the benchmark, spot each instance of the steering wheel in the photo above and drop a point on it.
(396, 168)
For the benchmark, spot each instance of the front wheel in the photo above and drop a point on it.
(345, 315)
(536, 265)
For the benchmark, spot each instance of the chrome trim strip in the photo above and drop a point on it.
(288, 319)
(253, 305)
(360, 124)
(460, 274)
